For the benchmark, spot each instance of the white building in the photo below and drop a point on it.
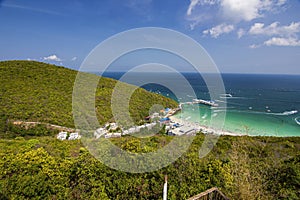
(150, 126)
(112, 135)
(74, 136)
(113, 126)
(131, 130)
(125, 132)
(154, 115)
(187, 130)
(137, 129)
(62, 135)
(100, 132)
(141, 127)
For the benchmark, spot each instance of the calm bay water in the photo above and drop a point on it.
(256, 104)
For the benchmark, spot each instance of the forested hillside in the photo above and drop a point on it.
(35, 91)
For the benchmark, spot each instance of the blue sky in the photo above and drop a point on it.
(253, 36)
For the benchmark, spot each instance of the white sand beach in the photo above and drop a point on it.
(201, 128)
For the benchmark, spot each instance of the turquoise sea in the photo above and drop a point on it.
(256, 104)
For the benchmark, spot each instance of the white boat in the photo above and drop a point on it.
(225, 95)
(201, 101)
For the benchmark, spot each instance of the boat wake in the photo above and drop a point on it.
(297, 120)
(288, 112)
(235, 98)
(229, 96)
(285, 113)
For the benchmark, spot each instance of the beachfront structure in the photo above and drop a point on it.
(175, 125)
(182, 130)
(62, 135)
(165, 120)
(187, 130)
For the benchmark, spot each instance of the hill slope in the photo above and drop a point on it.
(35, 91)
(46, 168)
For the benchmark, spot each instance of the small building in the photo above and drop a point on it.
(150, 126)
(74, 136)
(62, 135)
(113, 126)
(112, 135)
(137, 129)
(117, 134)
(142, 126)
(155, 115)
(131, 130)
(125, 132)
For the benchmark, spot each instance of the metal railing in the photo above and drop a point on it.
(211, 194)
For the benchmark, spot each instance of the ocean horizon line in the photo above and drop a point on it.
(190, 72)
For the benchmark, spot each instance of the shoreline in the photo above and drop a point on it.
(202, 128)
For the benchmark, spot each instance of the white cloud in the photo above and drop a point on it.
(234, 10)
(44, 11)
(280, 41)
(254, 46)
(192, 6)
(247, 10)
(281, 2)
(241, 32)
(194, 3)
(74, 58)
(52, 58)
(218, 30)
(286, 35)
(241, 9)
(275, 29)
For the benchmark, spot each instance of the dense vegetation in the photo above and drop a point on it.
(35, 165)
(242, 167)
(35, 91)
